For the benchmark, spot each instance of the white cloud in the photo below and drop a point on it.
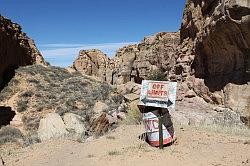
(64, 54)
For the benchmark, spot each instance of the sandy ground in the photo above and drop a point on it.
(194, 147)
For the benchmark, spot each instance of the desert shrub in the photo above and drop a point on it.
(110, 137)
(39, 108)
(14, 82)
(54, 85)
(157, 75)
(230, 129)
(47, 79)
(9, 134)
(31, 122)
(114, 153)
(38, 95)
(133, 117)
(22, 105)
(117, 98)
(103, 92)
(27, 94)
(31, 138)
(50, 96)
(6, 93)
(246, 120)
(90, 156)
(33, 81)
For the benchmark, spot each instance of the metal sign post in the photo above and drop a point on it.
(157, 98)
(160, 130)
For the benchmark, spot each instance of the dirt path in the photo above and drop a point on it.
(121, 147)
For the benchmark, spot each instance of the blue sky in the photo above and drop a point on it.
(61, 28)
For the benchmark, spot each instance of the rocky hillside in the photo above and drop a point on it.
(16, 49)
(133, 62)
(36, 91)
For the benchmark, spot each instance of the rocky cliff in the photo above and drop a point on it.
(16, 49)
(93, 63)
(214, 54)
(133, 62)
(215, 40)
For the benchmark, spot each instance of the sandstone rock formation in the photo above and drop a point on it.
(215, 40)
(93, 63)
(16, 49)
(74, 122)
(133, 62)
(215, 51)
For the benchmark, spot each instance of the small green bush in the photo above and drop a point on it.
(31, 122)
(133, 117)
(110, 137)
(9, 134)
(31, 138)
(157, 75)
(33, 81)
(27, 94)
(22, 105)
(114, 153)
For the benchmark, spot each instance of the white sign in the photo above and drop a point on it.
(158, 94)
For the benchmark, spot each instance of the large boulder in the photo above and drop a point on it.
(100, 107)
(129, 87)
(51, 127)
(74, 123)
(16, 49)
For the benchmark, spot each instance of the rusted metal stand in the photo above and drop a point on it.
(160, 130)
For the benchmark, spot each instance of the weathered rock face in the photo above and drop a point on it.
(133, 62)
(74, 123)
(215, 40)
(94, 63)
(215, 51)
(16, 49)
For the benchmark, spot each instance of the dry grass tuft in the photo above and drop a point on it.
(9, 134)
(110, 137)
(133, 117)
(114, 153)
(231, 130)
(90, 156)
